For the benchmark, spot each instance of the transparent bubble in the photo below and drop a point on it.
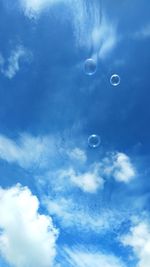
(90, 66)
(115, 80)
(94, 140)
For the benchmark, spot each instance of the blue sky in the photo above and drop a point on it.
(62, 202)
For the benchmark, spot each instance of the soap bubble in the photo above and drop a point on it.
(115, 80)
(90, 66)
(94, 140)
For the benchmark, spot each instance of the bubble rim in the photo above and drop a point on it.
(112, 76)
(98, 138)
(90, 73)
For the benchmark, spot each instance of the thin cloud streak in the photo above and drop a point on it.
(82, 257)
(143, 33)
(13, 62)
(92, 29)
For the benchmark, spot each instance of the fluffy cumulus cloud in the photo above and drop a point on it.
(11, 66)
(27, 238)
(80, 257)
(139, 240)
(120, 167)
(89, 181)
(123, 169)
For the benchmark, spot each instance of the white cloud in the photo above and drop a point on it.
(92, 29)
(139, 240)
(33, 7)
(27, 238)
(13, 62)
(89, 179)
(77, 154)
(81, 257)
(104, 38)
(120, 167)
(61, 182)
(72, 214)
(89, 182)
(123, 169)
(74, 175)
(27, 151)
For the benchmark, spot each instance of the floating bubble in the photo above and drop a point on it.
(94, 140)
(90, 66)
(115, 80)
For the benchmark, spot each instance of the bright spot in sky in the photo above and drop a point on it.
(115, 80)
(90, 66)
(94, 140)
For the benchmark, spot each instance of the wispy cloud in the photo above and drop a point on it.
(71, 214)
(82, 257)
(104, 38)
(143, 33)
(61, 173)
(90, 180)
(92, 29)
(27, 238)
(27, 151)
(77, 154)
(11, 66)
(32, 8)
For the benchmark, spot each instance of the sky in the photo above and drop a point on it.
(74, 147)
